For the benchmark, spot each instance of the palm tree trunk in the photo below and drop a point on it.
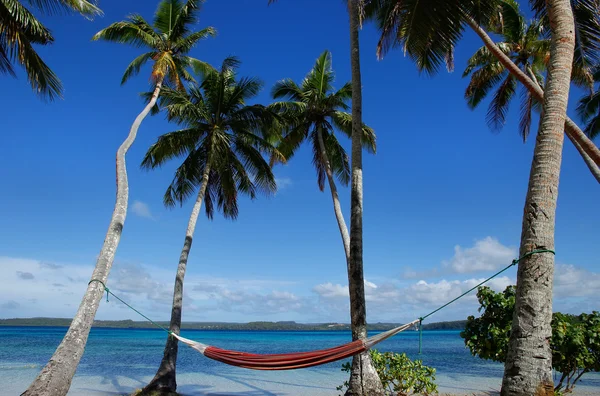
(587, 149)
(55, 378)
(363, 377)
(528, 367)
(586, 158)
(164, 382)
(337, 208)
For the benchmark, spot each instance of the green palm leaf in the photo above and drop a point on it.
(221, 132)
(85, 8)
(315, 106)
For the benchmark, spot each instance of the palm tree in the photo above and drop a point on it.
(589, 109)
(528, 367)
(528, 48)
(363, 377)
(20, 30)
(428, 40)
(168, 43)
(312, 112)
(222, 144)
(429, 31)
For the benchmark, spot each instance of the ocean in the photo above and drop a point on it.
(117, 361)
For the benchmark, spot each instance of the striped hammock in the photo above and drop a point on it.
(290, 361)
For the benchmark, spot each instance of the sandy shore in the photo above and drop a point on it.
(239, 382)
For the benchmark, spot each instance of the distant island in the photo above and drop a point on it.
(255, 326)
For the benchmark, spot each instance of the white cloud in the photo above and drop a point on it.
(283, 182)
(142, 209)
(486, 255)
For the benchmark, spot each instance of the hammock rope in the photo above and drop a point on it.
(296, 360)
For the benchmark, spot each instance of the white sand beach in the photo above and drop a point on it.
(239, 382)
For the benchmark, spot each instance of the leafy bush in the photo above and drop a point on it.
(399, 374)
(575, 340)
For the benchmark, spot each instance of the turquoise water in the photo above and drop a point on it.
(136, 353)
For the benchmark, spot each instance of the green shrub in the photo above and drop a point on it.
(399, 374)
(575, 340)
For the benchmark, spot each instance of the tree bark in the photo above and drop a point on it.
(528, 367)
(337, 208)
(165, 381)
(55, 378)
(594, 169)
(587, 149)
(363, 377)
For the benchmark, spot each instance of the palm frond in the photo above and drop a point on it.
(134, 67)
(187, 16)
(50, 7)
(5, 63)
(185, 44)
(482, 81)
(527, 105)
(171, 145)
(318, 159)
(17, 23)
(343, 121)
(513, 26)
(287, 89)
(187, 179)
(166, 15)
(498, 109)
(338, 158)
(135, 31)
(41, 78)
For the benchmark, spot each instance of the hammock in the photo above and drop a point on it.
(290, 361)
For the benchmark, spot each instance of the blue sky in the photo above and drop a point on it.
(443, 195)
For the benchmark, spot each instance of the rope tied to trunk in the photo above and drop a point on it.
(129, 306)
(513, 263)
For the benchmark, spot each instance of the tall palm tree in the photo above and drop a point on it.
(589, 109)
(429, 31)
(313, 111)
(363, 377)
(222, 145)
(20, 30)
(528, 368)
(169, 41)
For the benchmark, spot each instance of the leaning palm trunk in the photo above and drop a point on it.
(528, 367)
(587, 149)
(337, 208)
(165, 379)
(55, 378)
(363, 377)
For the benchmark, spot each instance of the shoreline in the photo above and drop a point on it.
(240, 382)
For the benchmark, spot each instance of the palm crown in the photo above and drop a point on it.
(221, 132)
(169, 40)
(314, 108)
(20, 30)
(528, 47)
(428, 31)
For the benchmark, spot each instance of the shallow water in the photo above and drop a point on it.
(120, 360)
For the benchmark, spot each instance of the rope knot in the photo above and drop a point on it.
(515, 262)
